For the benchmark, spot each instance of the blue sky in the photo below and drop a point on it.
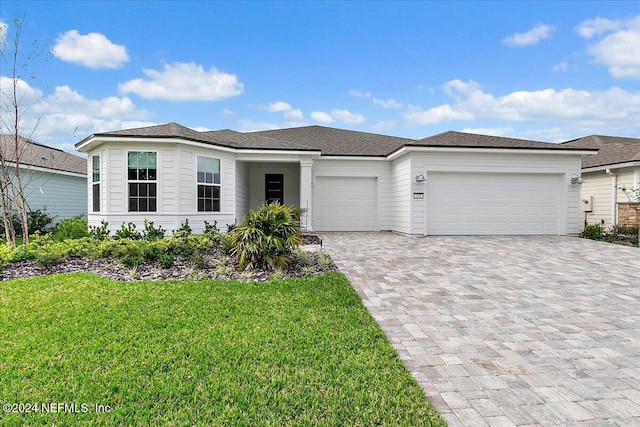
(548, 71)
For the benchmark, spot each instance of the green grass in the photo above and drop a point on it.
(292, 352)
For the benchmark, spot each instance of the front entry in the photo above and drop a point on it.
(274, 188)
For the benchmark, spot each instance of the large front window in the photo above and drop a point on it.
(142, 175)
(208, 184)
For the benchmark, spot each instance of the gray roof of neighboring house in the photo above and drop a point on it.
(329, 141)
(39, 155)
(471, 140)
(611, 150)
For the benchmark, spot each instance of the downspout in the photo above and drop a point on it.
(614, 197)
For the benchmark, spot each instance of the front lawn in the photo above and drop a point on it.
(285, 352)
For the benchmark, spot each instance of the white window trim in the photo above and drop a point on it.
(128, 181)
(219, 185)
(98, 183)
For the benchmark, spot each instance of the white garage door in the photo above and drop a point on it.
(487, 203)
(345, 204)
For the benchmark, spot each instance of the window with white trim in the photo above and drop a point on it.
(142, 171)
(208, 182)
(95, 169)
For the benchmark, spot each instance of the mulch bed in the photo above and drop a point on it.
(181, 270)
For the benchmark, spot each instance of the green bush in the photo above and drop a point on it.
(99, 232)
(48, 252)
(154, 250)
(127, 231)
(266, 237)
(129, 252)
(593, 232)
(6, 253)
(152, 233)
(72, 228)
(184, 230)
(39, 221)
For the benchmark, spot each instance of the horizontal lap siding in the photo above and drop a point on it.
(176, 187)
(356, 168)
(400, 195)
(63, 196)
(599, 185)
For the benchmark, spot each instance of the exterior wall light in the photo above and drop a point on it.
(420, 178)
(577, 180)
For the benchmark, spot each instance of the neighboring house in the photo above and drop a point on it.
(52, 178)
(452, 183)
(608, 175)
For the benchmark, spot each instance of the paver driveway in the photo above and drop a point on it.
(505, 331)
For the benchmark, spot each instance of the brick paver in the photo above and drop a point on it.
(507, 330)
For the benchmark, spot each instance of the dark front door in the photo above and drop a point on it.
(274, 188)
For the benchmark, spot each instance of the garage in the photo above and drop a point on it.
(493, 204)
(345, 203)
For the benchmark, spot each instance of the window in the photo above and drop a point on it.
(142, 176)
(95, 168)
(208, 184)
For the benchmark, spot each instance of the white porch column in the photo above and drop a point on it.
(305, 194)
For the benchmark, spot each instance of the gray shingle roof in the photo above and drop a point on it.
(611, 150)
(35, 154)
(329, 141)
(471, 140)
(339, 142)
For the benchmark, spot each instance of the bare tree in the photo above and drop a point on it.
(12, 178)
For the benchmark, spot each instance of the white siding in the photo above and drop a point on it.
(242, 189)
(400, 195)
(566, 165)
(357, 168)
(177, 187)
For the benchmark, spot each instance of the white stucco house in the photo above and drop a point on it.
(448, 184)
(611, 178)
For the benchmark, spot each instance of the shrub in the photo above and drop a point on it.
(39, 221)
(593, 232)
(226, 244)
(127, 231)
(72, 228)
(6, 253)
(129, 252)
(21, 255)
(186, 245)
(152, 233)
(266, 237)
(184, 230)
(99, 232)
(154, 250)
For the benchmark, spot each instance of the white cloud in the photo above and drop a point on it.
(561, 67)
(321, 117)
(134, 124)
(592, 27)
(619, 45)
(611, 109)
(531, 37)
(66, 115)
(278, 106)
(294, 116)
(442, 113)
(93, 50)
(390, 103)
(184, 82)
(347, 116)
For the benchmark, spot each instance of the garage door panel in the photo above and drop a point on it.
(345, 204)
(492, 203)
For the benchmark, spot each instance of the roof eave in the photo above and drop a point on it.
(504, 150)
(600, 168)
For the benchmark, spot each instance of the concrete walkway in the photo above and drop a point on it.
(504, 331)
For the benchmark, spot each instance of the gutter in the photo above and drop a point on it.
(614, 196)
